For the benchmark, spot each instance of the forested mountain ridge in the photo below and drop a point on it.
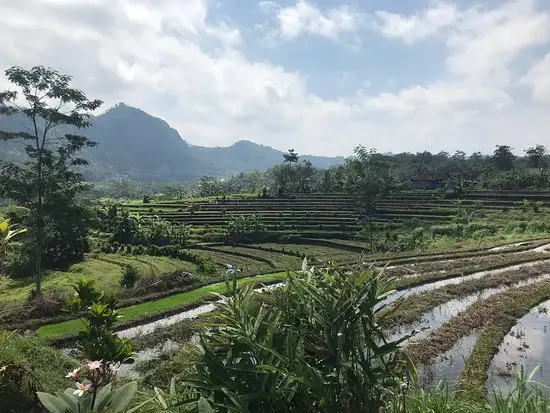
(138, 146)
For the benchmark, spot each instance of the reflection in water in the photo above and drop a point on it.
(447, 311)
(525, 346)
(448, 366)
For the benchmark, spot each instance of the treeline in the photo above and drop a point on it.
(365, 171)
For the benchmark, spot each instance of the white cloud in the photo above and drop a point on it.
(306, 18)
(173, 59)
(538, 78)
(486, 42)
(418, 26)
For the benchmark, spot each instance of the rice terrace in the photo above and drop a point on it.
(140, 273)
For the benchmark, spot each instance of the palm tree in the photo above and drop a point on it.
(7, 233)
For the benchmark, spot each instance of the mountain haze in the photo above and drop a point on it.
(138, 146)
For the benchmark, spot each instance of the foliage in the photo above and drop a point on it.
(244, 228)
(98, 339)
(27, 365)
(17, 383)
(206, 267)
(7, 233)
(368, 175)
(296, 352)
(87, 399)
(503, 158)
(130, 275)
(47, 183)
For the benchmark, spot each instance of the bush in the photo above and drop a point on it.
(153, 250)
(206, 267)
(537, 206)
(297, 325)
(19, 261)
(130, 275)
(418, 232)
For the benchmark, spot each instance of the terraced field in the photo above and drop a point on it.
(478, 315)
(334, 212)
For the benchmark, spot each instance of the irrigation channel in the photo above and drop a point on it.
(449, 364)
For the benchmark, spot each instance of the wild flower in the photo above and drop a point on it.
(81, 388)
(73, 374)
(93, 365)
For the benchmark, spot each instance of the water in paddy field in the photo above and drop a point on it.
(149, 328)
(447, 367)
(447, 311)
(429, 286)
(527, 345)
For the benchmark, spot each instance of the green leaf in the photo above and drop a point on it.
(204, 406)
(104, 396)
(53, 404)
(123, 397)
(160, 398)
(69, 398)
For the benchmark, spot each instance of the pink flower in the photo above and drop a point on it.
(73, 374)
(93, 365)
(81, 389)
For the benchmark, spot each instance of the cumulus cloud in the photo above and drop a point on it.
(177, 60)
(418, 26)
(307, 18)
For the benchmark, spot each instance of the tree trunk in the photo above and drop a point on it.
(38, 269)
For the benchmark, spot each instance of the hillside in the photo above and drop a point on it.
(138, 146)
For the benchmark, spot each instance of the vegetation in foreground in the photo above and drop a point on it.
(291, 350)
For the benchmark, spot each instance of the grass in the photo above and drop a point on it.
(494, 263)
(150, 309)
(49, 365)
(105, 269)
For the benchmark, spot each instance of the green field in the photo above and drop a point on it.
(104, 269)
(151, 308)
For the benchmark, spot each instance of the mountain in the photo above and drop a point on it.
(136, 145)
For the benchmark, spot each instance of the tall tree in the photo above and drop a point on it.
(46, 182)
(291, 157)
(503, 158)
(368, 175)
(536, 155)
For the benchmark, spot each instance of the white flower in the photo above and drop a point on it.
(93, 365)
(81, 389)
(73, 374)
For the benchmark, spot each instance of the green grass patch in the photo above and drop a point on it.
(147, 309)
(104, 269)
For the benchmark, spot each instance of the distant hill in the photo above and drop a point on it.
(138, 146)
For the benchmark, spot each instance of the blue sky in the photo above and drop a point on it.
(319, 76)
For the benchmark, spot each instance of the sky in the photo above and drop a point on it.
(318, 76)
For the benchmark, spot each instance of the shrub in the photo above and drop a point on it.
(418, 232)
(19, 262)
(293, 348)
(136, 251)
(537, 206)
(206, 267)
(153, 250)
(130, 275)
